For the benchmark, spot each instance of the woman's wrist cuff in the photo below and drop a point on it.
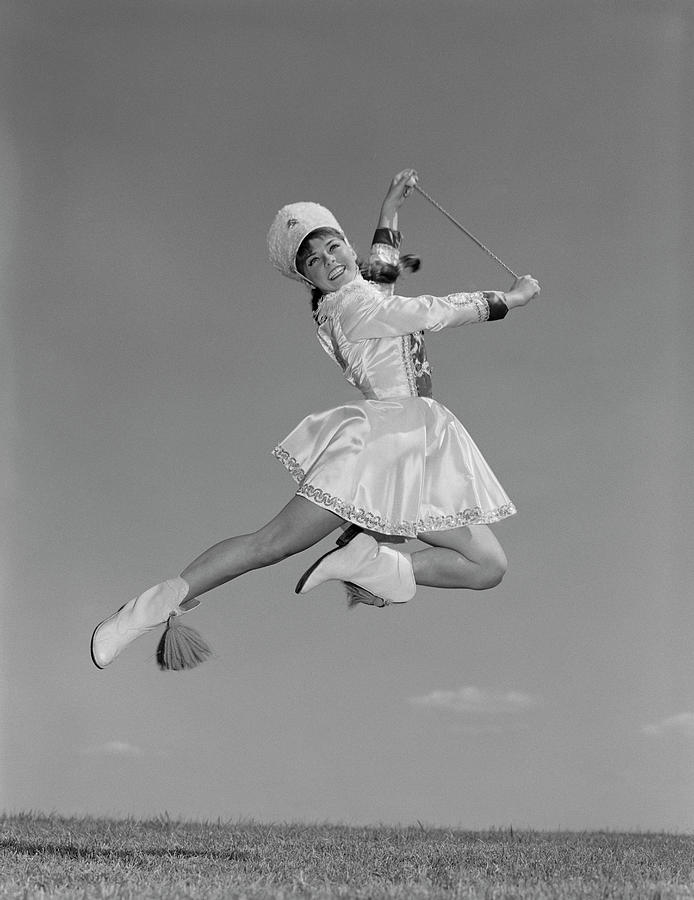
(387, 236)
(497, 305)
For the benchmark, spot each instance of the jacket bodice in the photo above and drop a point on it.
(376, 336)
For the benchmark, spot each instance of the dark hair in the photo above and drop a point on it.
(381, 273)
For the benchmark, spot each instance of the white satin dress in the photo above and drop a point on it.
(396, 462)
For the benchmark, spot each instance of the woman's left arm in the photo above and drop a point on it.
(385, 245)
(400, 188)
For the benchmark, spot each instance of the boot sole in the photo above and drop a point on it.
(91, 646)
(353, 590)
(347, 535)
(307, 574)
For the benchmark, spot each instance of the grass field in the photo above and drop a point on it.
(50, 856)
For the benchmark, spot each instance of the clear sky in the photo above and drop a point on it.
(151, 359)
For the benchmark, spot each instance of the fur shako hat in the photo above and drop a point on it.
(291, 225)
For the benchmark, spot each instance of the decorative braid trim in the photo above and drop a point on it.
(476, 299)
(290, 464)
(373, 522)
(482, 306)
(408, 363)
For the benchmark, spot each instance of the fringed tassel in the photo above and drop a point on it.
(356, 595)
(388, 273)
(181, 647)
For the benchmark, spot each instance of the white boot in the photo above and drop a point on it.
(137, 617)
(364, 562)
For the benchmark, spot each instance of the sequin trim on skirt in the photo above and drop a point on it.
(374, 522)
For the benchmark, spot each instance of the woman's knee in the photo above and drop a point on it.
(493, 566)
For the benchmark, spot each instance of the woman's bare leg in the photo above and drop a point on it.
(467, 557)
(300, 525)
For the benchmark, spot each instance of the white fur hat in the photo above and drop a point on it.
(291, 225)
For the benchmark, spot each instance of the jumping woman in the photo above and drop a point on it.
(392, 465)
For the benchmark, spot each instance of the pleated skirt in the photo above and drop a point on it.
(402, 466)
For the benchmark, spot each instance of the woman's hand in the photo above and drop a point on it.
(524, 289)
(400, 188)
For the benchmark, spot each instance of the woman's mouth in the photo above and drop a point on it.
(335, 273)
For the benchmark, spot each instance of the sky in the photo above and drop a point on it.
(150, 360)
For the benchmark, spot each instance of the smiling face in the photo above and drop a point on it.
(327, 260)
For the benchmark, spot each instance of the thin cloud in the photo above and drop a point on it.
(112, 748)
(476, 701)
(682, 723)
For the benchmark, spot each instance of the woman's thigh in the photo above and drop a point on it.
(298, 526)
(477, 543)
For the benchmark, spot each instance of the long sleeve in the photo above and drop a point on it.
(389, 316)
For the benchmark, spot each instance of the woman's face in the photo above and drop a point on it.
(331, 263)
